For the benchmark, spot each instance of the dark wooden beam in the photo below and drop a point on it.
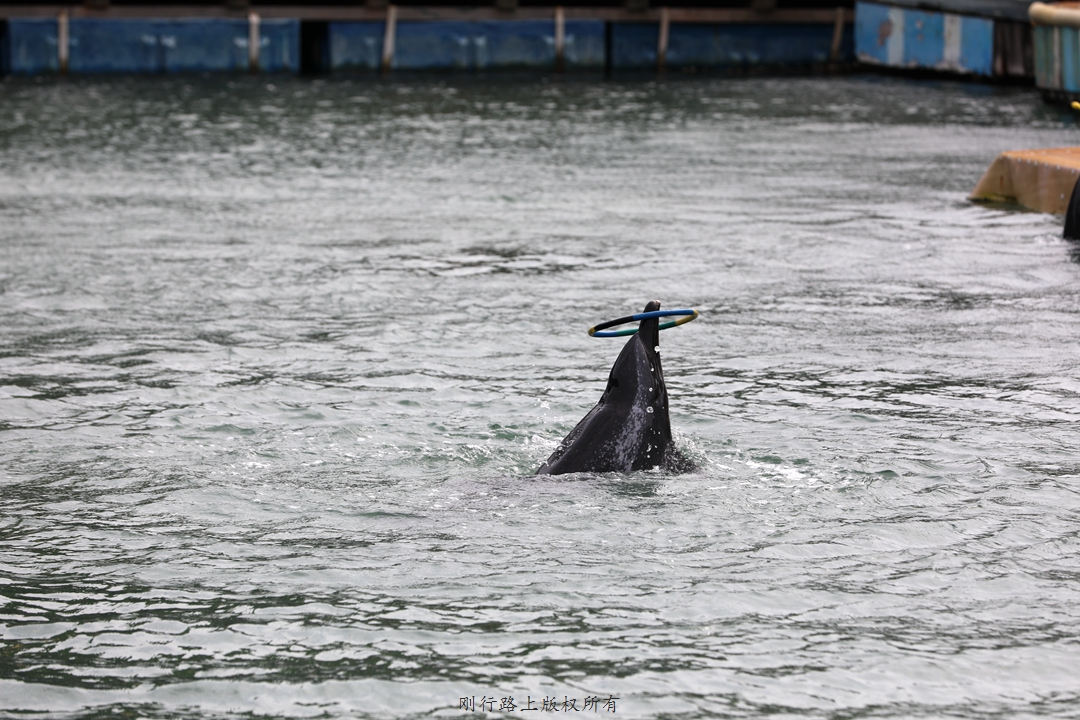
(415, 13)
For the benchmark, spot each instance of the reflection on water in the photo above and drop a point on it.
(279, 358)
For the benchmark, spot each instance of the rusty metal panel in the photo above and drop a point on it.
(920, 39)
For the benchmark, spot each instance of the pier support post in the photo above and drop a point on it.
(63, 41)
(837, 35)
(662, 41)
(388, 37)
(560, 38)
(254, 41)
(1056, 69)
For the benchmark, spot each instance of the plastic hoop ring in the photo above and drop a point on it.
(687, 315)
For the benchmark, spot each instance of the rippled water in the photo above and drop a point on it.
(278, 360)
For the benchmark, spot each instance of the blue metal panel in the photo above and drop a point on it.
(496, 44)
(32, 46)
(977, 45)
(450, 45)
(584, 44)
(699, 45)
(522, 44)
(151, 46)
(279, 49)
(356, 45)
(924, 38)
(443, 45)
(1068, 58)
(744, 45)
(872, 30)
(1042, 38)
(633, 45)
(199, 45)
(907, 37)
(103, 46)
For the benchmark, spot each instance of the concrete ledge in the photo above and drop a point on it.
(1042, 180)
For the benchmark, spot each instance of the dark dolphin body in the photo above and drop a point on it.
(629, 428)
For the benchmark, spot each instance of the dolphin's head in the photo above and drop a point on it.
(649, 330)
(636, 376)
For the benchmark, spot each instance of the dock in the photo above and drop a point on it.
(87, 39)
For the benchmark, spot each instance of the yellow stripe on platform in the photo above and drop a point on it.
(1042, 180)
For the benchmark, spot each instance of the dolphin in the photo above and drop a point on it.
(629, 428)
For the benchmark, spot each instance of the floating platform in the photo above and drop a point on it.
(1041, 180)
(42, 39)
(989, 39)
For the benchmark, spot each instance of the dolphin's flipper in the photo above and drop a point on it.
(629, 428)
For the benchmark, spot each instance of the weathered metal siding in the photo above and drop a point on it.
(32, 46)
(166, 45)
(1057, 50)
(976, 45)
(152, 46)
(634, 46)
(584, 44)
(356, 45)
(1047, 64)
(750, 45)
(462, 45)
(1070, 62)
(279, 49)
(906, 38)
(1057, 60)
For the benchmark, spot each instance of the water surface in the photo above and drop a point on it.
(279, 358)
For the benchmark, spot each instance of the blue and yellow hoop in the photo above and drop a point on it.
(685, 315)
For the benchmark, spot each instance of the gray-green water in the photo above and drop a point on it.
(278, 358)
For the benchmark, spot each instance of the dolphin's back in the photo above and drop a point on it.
(629, 428)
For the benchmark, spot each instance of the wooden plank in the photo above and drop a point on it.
(389, 37)
(837, 36)
(662, 39)
(254, 42)
(560, 38)
(748, 16)
(63, 41)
